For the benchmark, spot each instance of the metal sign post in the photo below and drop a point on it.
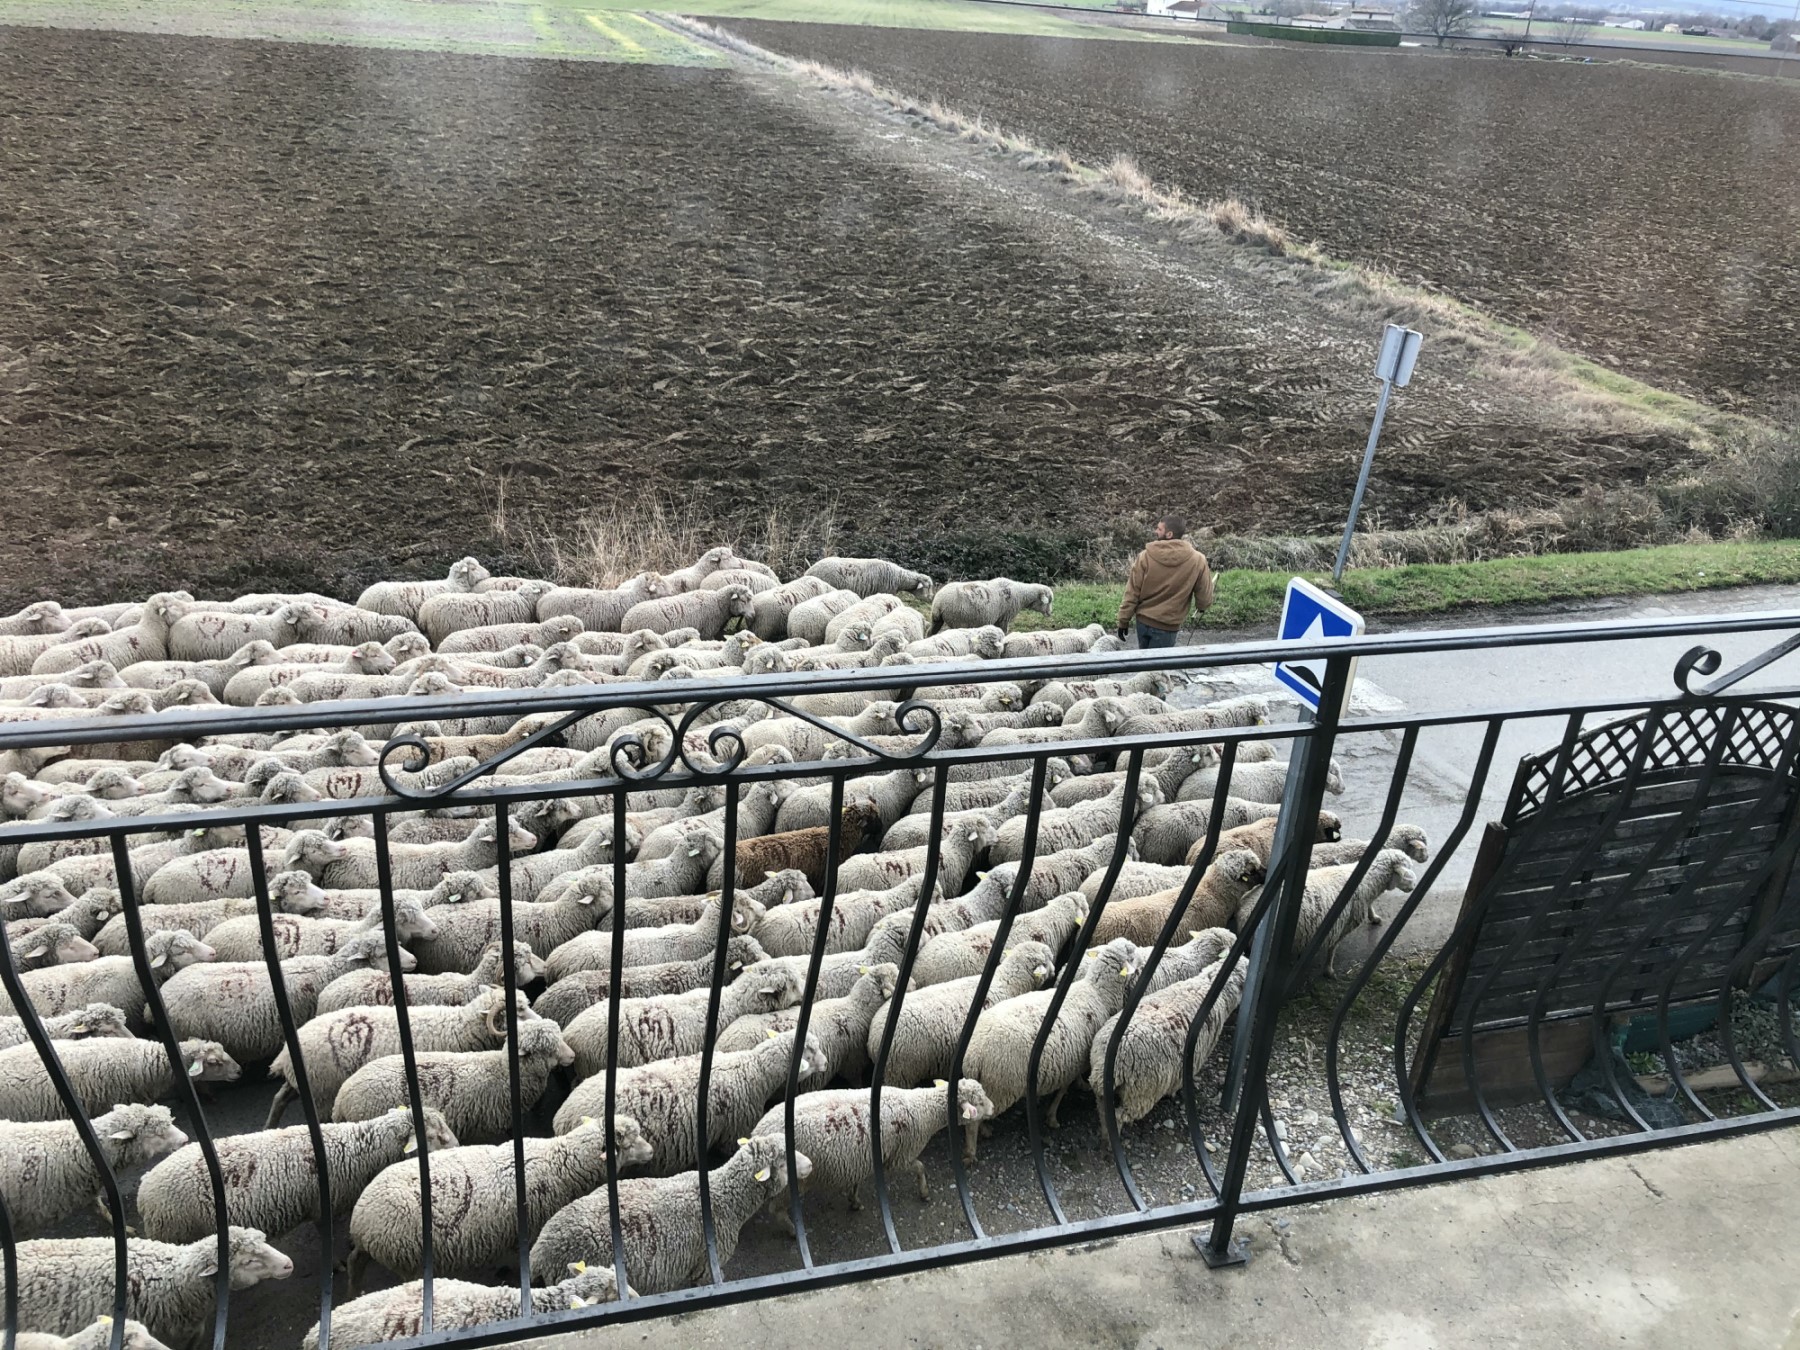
(1399, 352)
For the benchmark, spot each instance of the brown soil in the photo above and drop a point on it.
(283, 315)
(1635, 215)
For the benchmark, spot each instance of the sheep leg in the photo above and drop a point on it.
(971, 1132)
(855, 1196)
(106, 1218)
(283, 1095)
(918, 1168)
(778, 1211)
(356, 1265)
(1050, 1112)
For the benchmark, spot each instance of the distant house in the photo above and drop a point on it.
(1631, 25)
(1671, 28)
(1697, 31)
(1785, 42)
(1378, 17)
(1189, 9)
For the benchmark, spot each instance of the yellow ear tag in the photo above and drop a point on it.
(939, 1083)
(763, 1175)
(576, 1302)
(579, 1267)
(773, 1033)
(743, 1141)
(412, 1146)
(587, 1120)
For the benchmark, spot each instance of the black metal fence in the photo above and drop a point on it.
(1619, 974)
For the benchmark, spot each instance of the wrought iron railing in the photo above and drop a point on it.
(1636, 884)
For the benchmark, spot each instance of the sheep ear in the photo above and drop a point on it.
(80, 1026)
(969, 1112)
(209, 1264)
(160, 959)
(121, 1134)
(763, 1175)
(693, 853)
(412, 1146)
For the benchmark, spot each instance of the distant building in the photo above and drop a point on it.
(1785, 42)
(1632, 25)
(1377, 17)
(1671, 28)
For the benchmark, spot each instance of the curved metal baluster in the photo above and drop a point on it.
(509, 982)
(727, 896)
(1784, 1000)
(834, 842)
(933, 847)
(140, 959)
(384, 880)
(1275, 1145)
(33, 1024)
(9, 1259)
(1409, 741)
(1109, 1114)
(290, 1037)
(1027, 859)
(1542, 915)
(1070, 973)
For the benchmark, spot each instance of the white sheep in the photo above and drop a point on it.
(225, 872)
(145, 640)
(665, 1244)
(474, 1213)
(471, 1087)
(963, 952)
(600, 611)
(809, 619)
(78, 1024)
(976, 604)
(841, 1025)
(1391, 870)
(66, 1283)
(40, 616)
(1052, 642)
(662, 1096)
(1164, 834)
(834, 1131)
(452, 611)
(769, 610)
(108, 979)
(97, 1335)
(405, 597)
(198, 917)
(102, 1072)
(51, 943)
(708, 611)
(932, 1018)
(1254, 782)
(370, 986)
(791, 930)
(960, 846)
(422, 866)
(563, 1001)
(398, 1314)
(271, 1176)
(666, 1026)
(47, 1173)
(654, 946)
(338, 1044)
(1249, 710)
(999, 1052)
(1148, 1066)
(871, 576)
(1062, 828)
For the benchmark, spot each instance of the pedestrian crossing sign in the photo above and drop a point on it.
(1309, 615)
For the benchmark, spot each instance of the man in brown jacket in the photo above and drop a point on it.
(1165, 578)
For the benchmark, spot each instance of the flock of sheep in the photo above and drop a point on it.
(205, 947)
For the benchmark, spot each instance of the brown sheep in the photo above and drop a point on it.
(1259, 837)
(806, 849)
(1215, 904)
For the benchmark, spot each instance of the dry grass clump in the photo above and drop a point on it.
(608, 544)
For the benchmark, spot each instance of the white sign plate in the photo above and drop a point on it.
(1309, 615)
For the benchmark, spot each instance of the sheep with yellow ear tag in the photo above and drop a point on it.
(665, 1245)
(398, 1313)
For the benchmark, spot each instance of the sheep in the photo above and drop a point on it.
(653, 946)
(338, 1044)
(1064, 828)
(662, 1095)
(65, 1283)
(53, 943)
(108, 979)
(870, 576)
(1066, 693)
(1168, 772)
(213, 635)
(898, 627)
(399, 1313)
(474, 1214)
(240, 938)
(197, 918)
(754, 582)
(97, 1335)
(667, 1026)
(769, 610)
(1052, 642)
(1259, 837)
(708, 611)
(889, 793)
(422, 866)
(101, 1072)
(146, 640)
(466, 930)
(956, 855)
(472, 1088)
(791, 930)
(834, 1131)
(371, 987)
(861, 615)
(1215, 904)
(757, 806)
(233, 1002)
(976, 604)
(963, 952)
(47, 1174)
(1185, 961)
(806, 850)
(840, 1024)
(910, 831)
(404, 597)
(452, 611)
(78, 1024)
(984, 641)
(18, 653)
(600, 611)
(87, 677)
(660, 1219)
(1148, 1066)
(582, 989)
(225, 872)
(1251, 710)
(681, 873)
(931, 1019)
(38, 894)
(809, 619)
(41, 616)
(1254, 782)
(1137, 879)
(1409, 839)
(999, 1052)
(1164, 834)
(271, 1176)
(1392, 870)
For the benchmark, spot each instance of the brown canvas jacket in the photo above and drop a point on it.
(1165, 578)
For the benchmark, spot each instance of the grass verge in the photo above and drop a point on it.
(1250, 599)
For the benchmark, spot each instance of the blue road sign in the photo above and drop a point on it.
(1310, 615)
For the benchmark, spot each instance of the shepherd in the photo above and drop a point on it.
(1165, 579)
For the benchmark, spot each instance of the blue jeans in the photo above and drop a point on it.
(1154, 637)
